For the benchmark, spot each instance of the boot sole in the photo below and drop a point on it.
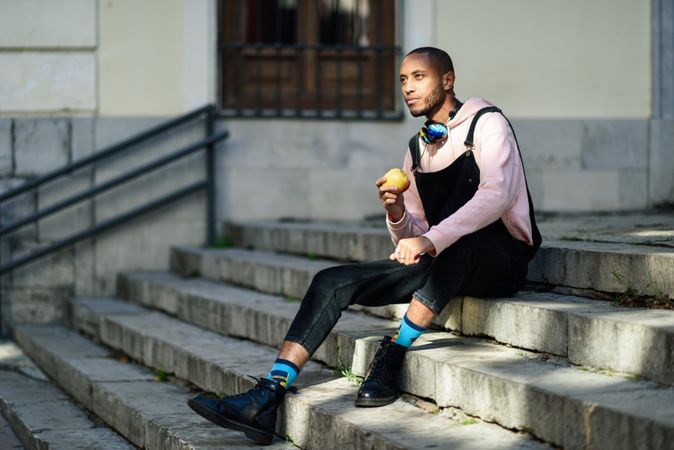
(371, 403)
(255, 434)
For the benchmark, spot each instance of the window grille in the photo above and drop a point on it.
(309, 58)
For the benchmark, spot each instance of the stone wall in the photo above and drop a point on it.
(48, 57)
(662, 125)
(326, 170)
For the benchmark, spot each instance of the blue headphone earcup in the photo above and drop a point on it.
(432, 132)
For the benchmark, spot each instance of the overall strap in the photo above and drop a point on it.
(414, 150)
(536, 235)
(535, 232)
(471, 131)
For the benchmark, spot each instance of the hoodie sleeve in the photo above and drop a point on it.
(413, 223)
(498, 184)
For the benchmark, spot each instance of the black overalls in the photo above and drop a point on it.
(486, 263)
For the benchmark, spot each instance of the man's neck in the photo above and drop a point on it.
(441, 115)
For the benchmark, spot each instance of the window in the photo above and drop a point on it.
(308, 58)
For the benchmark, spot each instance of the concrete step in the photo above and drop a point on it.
(237, 312)
(152, 415)
(556, 402)
(41, 415)
(588, 332)
(7, 437)
(320, 416)
(601, 266)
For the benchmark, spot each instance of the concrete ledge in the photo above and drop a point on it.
(190, 352)
(237, 312)
(347, 242)
(44, 417)
(589, 265)
(588, 332)
(266, 272)
(600, 266)
(8, 437)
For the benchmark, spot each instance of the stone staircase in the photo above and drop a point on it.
(537, 370)
(41, 415)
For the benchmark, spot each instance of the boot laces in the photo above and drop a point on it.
(258, 384)
(243, 395)
(378, 365)
(248, 392)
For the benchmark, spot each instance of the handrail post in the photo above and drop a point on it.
(210, 179)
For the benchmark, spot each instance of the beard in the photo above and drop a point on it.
(431, 102)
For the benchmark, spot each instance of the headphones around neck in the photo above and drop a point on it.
(433, 132)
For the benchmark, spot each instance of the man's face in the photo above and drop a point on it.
(422, 85)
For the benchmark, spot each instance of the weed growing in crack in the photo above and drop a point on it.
(630, 292)
(160, 375)
(349, 375)
(224, 241)
(655, 296)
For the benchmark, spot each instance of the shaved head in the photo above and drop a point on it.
(439, 59)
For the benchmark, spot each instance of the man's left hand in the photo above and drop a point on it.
(409, 250)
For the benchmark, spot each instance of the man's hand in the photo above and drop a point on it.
(392, 199)
(409, 250)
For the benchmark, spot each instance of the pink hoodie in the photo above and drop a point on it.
(502, 191)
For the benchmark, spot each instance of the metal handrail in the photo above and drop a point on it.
(105, 153)
(114, 182)
(209, 184)
(106, 225)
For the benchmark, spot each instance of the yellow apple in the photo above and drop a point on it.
(398, 178)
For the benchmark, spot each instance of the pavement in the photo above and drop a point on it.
(652, 228)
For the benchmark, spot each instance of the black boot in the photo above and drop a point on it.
(381, 383)
(253, 412)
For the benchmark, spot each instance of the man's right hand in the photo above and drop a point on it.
(392, 199)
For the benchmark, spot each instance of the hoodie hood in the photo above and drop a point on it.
(468, 110)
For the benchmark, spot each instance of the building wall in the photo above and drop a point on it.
(62, 74)
(661, 160)
(48, 57)
(576, 78)
(559, 60)
(589, 86)
(156, 57)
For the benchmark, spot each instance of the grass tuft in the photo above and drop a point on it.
(160, 375)
(224, 241)
(655, 296)
(349, 375)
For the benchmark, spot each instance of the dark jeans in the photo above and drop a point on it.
(480, 264)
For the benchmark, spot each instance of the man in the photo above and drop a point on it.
(464, 225)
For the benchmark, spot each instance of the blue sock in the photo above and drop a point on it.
(407, 333)
(283, 372)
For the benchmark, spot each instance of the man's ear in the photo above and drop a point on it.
(448, 80)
